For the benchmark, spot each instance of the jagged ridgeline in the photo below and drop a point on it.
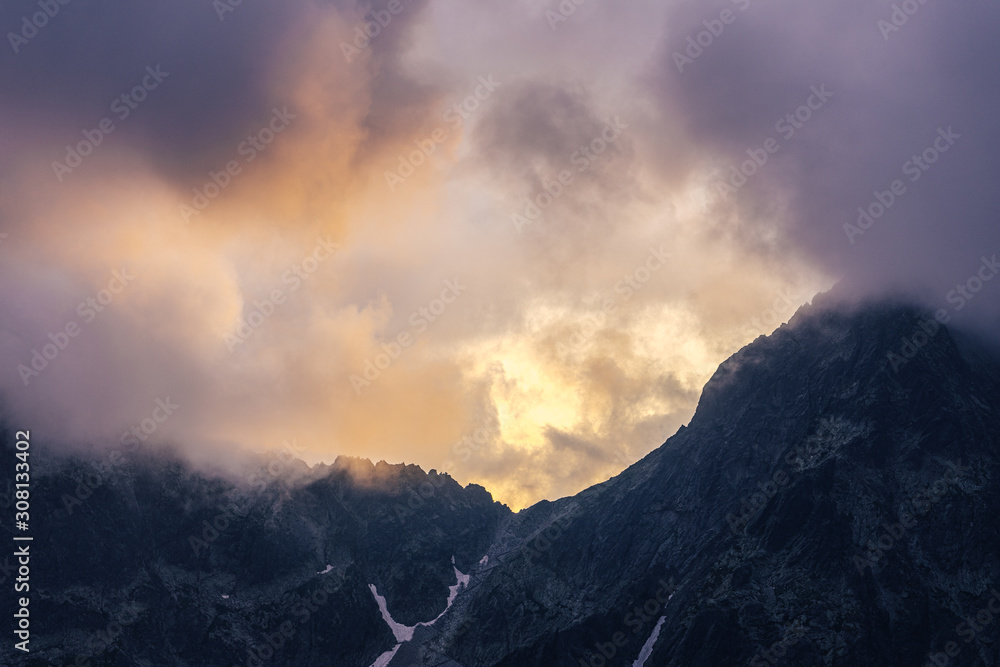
(832, 502)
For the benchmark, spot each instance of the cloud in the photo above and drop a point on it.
(572, 337)
(881, 115)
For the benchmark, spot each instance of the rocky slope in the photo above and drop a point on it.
(832, 502)
(822, 508)
(148, 563)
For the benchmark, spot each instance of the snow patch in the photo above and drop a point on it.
(386, 657)
(461, 581)
(328, 568)
(647, 648)
(401, 632)
(225, 597)
(485, 560)
(404, 633)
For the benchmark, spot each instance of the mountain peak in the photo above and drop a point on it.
(820, 499)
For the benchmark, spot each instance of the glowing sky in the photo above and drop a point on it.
(494, 221)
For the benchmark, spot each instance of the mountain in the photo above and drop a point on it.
(821, 501)
(149, 563)
(830, 503)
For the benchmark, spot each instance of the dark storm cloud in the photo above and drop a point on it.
(401, 106)
(895, 92)
(533, 130)
(568, 390)
(64, 79)
(538, 132)
(222, 68)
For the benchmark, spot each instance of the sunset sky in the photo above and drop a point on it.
(517, 222)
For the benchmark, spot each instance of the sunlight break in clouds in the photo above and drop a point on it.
(274, 260)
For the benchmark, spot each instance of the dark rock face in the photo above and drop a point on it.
(829, 504)
(822, 508)
(153, 564)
